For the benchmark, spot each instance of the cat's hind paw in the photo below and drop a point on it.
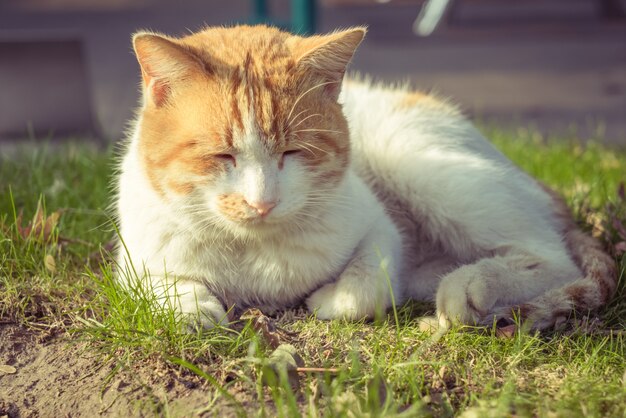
(464, 299)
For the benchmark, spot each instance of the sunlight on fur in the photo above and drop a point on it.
(261, 178)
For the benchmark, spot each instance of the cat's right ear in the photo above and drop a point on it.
(163, 62)
(327, 56)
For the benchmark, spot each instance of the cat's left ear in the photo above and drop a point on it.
(328, 56)
(164, 61)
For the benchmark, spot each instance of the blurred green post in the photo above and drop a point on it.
(303, 16)
(260, 14)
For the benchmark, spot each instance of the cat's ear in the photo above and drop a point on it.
(329, 55)
(163, 62)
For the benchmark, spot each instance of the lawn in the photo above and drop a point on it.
(73, 342)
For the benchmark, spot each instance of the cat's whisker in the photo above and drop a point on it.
(306, 146)
(327, 195)
(305, 93)
(323, 203)
(319, 130)
(292, 120)
(298, 222)
(199, 229)
(306, 118)
(308, 222)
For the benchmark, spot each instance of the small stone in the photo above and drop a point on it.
(6, 369)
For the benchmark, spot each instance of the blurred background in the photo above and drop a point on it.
(66, 67)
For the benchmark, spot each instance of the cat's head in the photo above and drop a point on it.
(242, 124)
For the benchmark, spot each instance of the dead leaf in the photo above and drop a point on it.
(507, 331)
(6, 369)
(50, 263)
(442, 372)
(41, 227)
(620, 247)
(264, 326)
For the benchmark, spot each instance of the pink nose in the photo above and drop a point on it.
(263, 208)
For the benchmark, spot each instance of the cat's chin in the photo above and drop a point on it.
(255, 226)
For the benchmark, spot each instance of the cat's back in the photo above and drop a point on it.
(379, 113)
(428, 163)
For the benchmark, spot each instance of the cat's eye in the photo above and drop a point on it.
(291, 152)
(281, 161)
(226, 158)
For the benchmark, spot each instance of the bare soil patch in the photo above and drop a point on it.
(56, 377)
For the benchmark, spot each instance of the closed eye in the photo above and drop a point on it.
(287, 153)
(226, 158)
(291, 152)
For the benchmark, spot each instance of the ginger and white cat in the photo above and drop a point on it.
(256, 176)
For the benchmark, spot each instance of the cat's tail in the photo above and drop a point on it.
(593, 290)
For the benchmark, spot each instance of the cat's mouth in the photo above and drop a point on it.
(255, 222)
(257, 227)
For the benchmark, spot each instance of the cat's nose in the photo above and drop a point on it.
(263, 208)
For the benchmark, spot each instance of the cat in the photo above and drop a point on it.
(256, 176)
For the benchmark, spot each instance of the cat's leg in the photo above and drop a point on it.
(473, 293)
(364, 287)
(423, 280)
(191, 298)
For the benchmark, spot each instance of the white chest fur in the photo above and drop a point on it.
(273, 271)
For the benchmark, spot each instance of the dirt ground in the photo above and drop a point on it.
(56, 377)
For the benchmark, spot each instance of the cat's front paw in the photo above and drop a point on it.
(200, 308)
(208, 314)
(464, 298)
(330, 302)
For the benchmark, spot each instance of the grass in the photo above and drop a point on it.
(55, 274)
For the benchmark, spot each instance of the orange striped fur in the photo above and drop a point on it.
(240, 122)
(200, 92)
